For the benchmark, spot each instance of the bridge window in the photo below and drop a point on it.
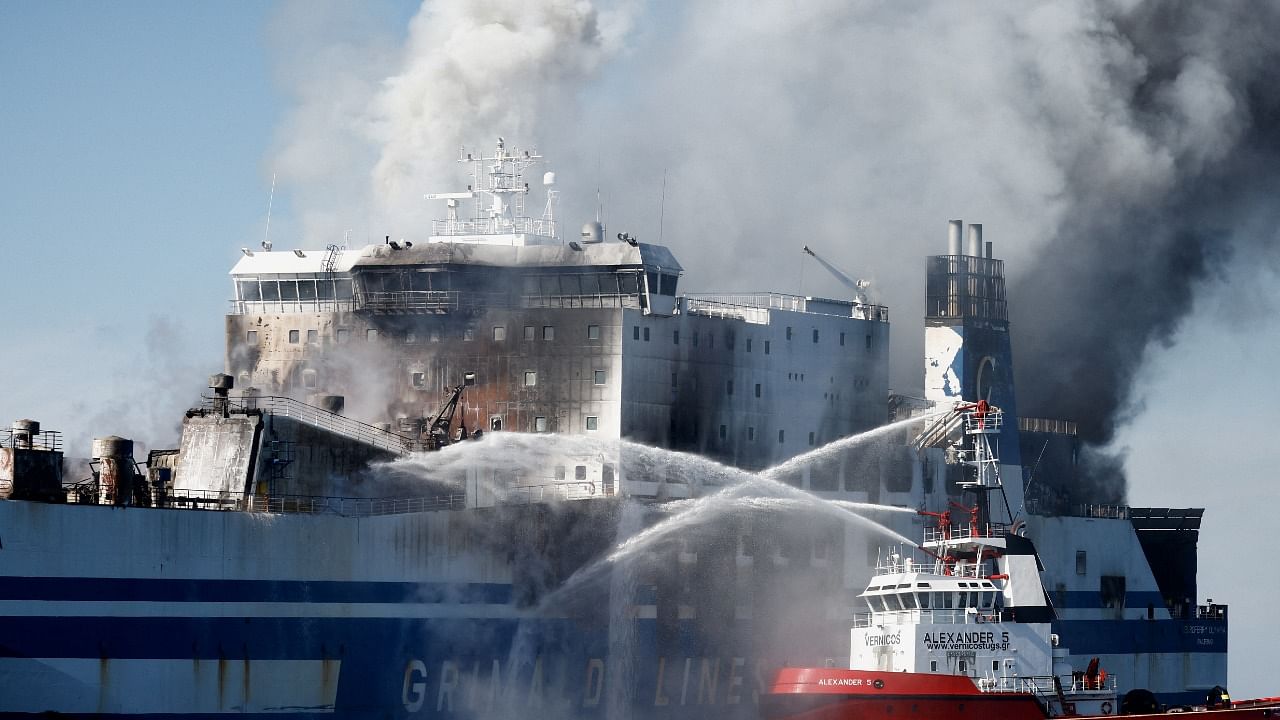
(288, 290)
(909, 601)
(249, 291)
(270, 291)
(924, 600)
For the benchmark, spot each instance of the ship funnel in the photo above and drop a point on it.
(115, 470)
(954, 229)
(593, 232)
(975, 240)
(23, 432)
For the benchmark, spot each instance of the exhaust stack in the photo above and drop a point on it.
(975, 240)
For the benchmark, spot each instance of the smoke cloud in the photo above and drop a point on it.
(1118, 152)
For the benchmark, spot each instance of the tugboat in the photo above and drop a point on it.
(960, 626)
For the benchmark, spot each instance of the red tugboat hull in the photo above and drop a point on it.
(835, 694)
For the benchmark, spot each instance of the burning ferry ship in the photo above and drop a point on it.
(273, 563)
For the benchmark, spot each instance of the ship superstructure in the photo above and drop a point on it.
(269, 565)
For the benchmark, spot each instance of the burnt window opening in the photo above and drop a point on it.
(499, 333)
(580, 472)
(728, 385)
(313, 337)
(646, 334)
(529, 332)
(598, 377)
(815, 335)
(782, 436)
(293, 336)
(812, 437)
(251, 337)
(560, 472)
(751, 434)
(469, 334)
(1112, 591)
(434, 336)
(635, 332)
(418, 379)
(748, 344)
(766, 347)
(841, 339)
(495, 423)
(728, 341)
(868, 341)
(548, 332)
(1081, 563)
(675, 337)
(530, 378)
(309, 379)
(540, 424)
(593, 332)
(695, 339)
(344, 336)
(788, 332)
(410, 338)
(675, 381)
(593, 422)
(371, 335)
(757, 389)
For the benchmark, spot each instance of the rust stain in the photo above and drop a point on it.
(104, 682)
(245, 707)
(328, 679)
(222, 682)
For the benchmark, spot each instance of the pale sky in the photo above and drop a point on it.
(139, 141)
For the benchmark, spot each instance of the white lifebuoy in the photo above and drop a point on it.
(1106, 707)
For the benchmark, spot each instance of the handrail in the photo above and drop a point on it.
(322, 419)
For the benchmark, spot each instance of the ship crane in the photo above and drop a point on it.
(859, 287)
(438, 424)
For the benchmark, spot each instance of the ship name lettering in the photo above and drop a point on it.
(414, 693)
(840, 682)
(886, 639)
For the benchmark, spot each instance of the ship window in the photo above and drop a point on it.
(635, 332)
(948, 600)
(550, 285)
(893, 602)
(728, 387)
(868, 342)
(933, 666)
(668, 284)
(313, 336)
(964, 666)
(815, 335)
(540, 424)
(344, 336)
(270, 291)
(418, 379)
(924, 600)
(529, 332)
(370, 335)
(811, 438)
(646, 334)
(591, 284)
(766, 347)
(748, 344)
(724, 431)
(548, 332)
(560, 472)
(1081, 562)
(499, 333)
(410, 338)
(606, 479)
(695, 339)
(751, 434)
(923, 585)
(344, 290)
(653, 282)
(674, 381)
(909, 601)
(987, 599)
(293, 336)
(309, 379)
(711, 340)
(675, 337)
(593, 422)
(995, 666)
(628, 283)
(251, 337)
(580, 472)
(781, 435)
(593, 332)
(569, 285)
(757, 389)
(841, 339)
(530, 378)
(249, 290)
(288, 290)
(469, 334)
(306, 289)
